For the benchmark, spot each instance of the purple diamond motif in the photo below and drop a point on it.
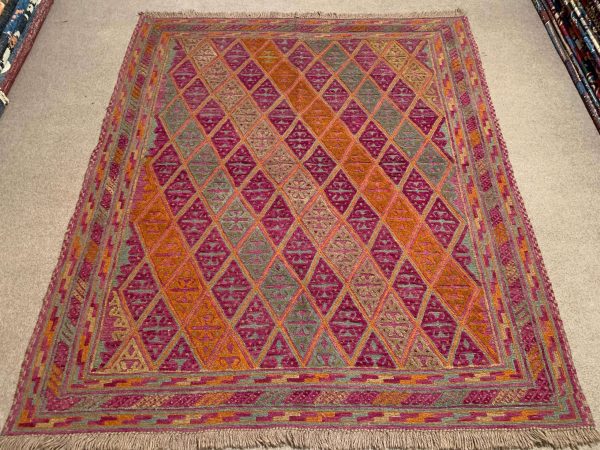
(299, 252)
(324, 286)
(225, 139)
(194, 222)
(278, 220)
(348, 325)
(439, 325)
(365, 57)
(383, 75)
(265, 95)
(340, 192)
(318, 75)
(373, 139)
(222, 43)
(179, 191)
(417, 191)
(258, 191)
(350, 44)
(210, 115)
(386, 251)
(184, 74)
(300, 140)
(423, 116)
(354, 117)
(231, 289)
(363, 219)
(319, 165)
(158, 329)
(285, 44)
(282, 117)
(166, 165)
(301, 57)
(195, 94)
(250, 75)
(211, 254)
(402, 95)
(394, 164)
(254, 327)
(410, 287)
(442, 222)
(236, 56)
(140, 291)
(335, 95)
(240, 165)
(409, 44)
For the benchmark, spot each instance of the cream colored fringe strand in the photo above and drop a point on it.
(307, 15)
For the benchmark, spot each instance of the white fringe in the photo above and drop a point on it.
(427, 14)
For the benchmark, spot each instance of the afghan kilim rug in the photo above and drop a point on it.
(299, 231)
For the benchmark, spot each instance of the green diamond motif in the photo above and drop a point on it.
(335, 57)
(432, 163)
(218, 191)
(409, 139)
(352, 75)
(302, 323)
(388, 116)
(256, 253)
(279, 287)
(317, 45)
(369, 95)
(325, 354)
(202, 165)
(175, 116)
(235, 221)
(189, 138)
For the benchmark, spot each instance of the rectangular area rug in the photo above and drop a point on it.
(299, 231)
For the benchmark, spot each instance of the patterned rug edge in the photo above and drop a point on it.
(305, 438)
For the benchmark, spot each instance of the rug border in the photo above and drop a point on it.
(331, 439)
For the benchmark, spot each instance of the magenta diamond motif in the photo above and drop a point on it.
(335, 95)
(299, 252)
(402, 95)
(300, 140)
(222, 42)
(285, 44)
(319, 165)
(394, 164)
(140, 291)
(195, 94)
(194, 222)
(423, 116)
(386, 251)
(282, 117)
(340, 192)
(236, 56)
(439, 325)
(158, 329)
(318, 75)
(255, 326)
(410, 44)
(442, 222)
(350, 44)
(258, 191)
(166, 164)
(240, 165)
(365, 57)
(265, 95)
(324, 286)
(250, 75)
(179, 191)
(354, 117)
(417, 191)
(348, 325)
(373, 139)
(184, 74)
(410, 287)
(301, 57)
(363, 219)
(211, 254)
(231, 289)
(383, 75)
(210, 115)
(225, 139)
(278, 220)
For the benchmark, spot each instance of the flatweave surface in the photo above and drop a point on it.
(294, 229)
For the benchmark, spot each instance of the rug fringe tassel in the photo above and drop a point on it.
(325, 439)
(457, 12)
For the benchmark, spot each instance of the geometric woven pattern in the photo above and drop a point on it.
(299, 222)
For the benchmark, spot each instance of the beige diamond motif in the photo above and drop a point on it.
(394, 325)
(216, 74)
(421, 356)
(262, 139)
(368, 286)
(431, 94)
(280, 164)
(189, 43)
(396, 56)
(230, 94)
(343, 251)
(378, 45)
(245, 116)
(416, 75)
(203, 55)
(300, 190)
(319, 219)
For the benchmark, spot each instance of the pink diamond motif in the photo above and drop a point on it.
(278, 220)
(210, 115)
(365, 57)
(439, 325)
(373, 139)
(231, 289)
(282, 117)
(340, 192)
(409, 44)
(417, 191)
(394, 164)
(319, 165)
(258, 191)
(300, 140)
(140, 291)
(236, 56)
(383, 75)
(402, 95)
(265, 95)
(222, 43)
(350, 44)
(363, 219)
(285, 44)
(410, 287)
(423, 116)
(301, 57)
(179, 191)
(158, 329)
(348, 325)
(374, 354)
(324, 286)
(225, 139)
(299, 252)
(194, 222)
(442, 222)
(255, 326)
(318, 75)
(386, 251)
(335, 95)
(195, 94)
(354, 117)
(166, 164)
(184, 74)
(240, 165)
(250, 75)
(211, 254)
